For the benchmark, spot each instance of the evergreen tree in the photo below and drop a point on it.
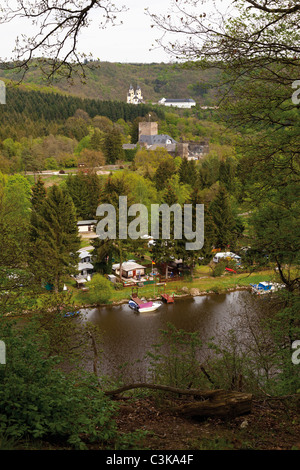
(54, 238)
(38, 192)
(15, 209)
(96, 141)
(169, 195)
(112, 146)
(84, 189)
(164, 249)
(29, 162)
(226, 227)
(226, 173)
(166, 169)
(209, 229)
(188, 172)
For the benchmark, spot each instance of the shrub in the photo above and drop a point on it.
(39, 401)
(100, 289)
(219, 269)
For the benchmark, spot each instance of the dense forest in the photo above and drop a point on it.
(35, 113)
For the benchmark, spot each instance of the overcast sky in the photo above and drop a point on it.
(132, 41)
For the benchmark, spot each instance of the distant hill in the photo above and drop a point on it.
(110, 81)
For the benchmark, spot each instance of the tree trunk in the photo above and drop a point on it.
(95, 349)
(166, 388)
(207, 403)
(220, 405)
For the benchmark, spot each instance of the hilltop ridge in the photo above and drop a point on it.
(111, 80)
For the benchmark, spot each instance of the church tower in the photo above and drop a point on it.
(134, 97)
(138, 93)
(130, 94)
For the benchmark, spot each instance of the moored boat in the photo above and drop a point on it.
(266, 287)
(149, 307)
(144, 307)
(72, 314)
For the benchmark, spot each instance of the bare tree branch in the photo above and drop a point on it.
(57, 25)
(266, 30)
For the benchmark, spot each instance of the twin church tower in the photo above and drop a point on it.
(135, 97)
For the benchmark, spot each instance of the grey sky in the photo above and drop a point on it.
(132, 41)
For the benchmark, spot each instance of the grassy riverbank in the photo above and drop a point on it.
(205, 284)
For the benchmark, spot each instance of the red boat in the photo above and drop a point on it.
(230, 270)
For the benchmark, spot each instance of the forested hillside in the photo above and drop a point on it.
(110, 81)
(31, 112)
(43, 128)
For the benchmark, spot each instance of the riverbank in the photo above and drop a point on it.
(196, 287)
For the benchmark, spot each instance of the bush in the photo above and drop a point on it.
(100, 289)
(118, 286)
(51, 164)
(39, 401)
(219, 269)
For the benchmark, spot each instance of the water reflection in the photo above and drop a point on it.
(128, 335)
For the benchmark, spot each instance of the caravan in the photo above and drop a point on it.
(227, 256)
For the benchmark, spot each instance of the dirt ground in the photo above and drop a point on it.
(271, 425)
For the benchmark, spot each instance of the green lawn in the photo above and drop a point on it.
(205, 284)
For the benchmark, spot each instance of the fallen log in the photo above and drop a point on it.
(222, 404)
(204, 394)
(207, 403)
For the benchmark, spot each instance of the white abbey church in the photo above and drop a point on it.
(135, 97)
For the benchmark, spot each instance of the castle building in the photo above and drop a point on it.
(150, 139)
(135, 97)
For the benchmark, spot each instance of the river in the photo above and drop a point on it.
(128, 335)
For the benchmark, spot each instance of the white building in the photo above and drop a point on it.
(85, 267)
(86, 225)
(180, 103)
(227, 255)
(135, 97)
(130, 269)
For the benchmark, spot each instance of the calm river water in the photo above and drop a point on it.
(128, 335)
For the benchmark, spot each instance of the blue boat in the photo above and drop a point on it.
(71, 314)
(266, 287)
(133, 305)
